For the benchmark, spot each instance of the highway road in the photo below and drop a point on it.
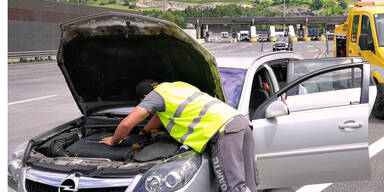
(38, 100)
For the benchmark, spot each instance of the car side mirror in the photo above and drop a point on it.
(363, 42)
(276, 109)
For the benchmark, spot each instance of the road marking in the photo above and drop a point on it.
(28, 100)
(246, 46)
(374, 148)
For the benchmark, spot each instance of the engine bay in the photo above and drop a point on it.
(83, 142)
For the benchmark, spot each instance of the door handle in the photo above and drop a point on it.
(350, 126)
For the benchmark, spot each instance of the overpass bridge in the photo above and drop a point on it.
(304, 20)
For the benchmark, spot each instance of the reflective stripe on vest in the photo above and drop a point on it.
(192, 117)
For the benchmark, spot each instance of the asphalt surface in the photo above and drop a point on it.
(39, 100)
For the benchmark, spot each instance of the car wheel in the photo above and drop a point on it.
(291, 49)
(378, 108)
(274, 49)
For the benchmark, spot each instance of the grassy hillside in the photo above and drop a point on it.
(267, 8)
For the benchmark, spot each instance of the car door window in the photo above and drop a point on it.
(366, 29)
(300, 68)
(355, 25)
(336, 80)
(336, 88)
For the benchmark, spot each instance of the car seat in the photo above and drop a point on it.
(258, 95)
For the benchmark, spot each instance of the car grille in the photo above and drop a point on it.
(32, 186)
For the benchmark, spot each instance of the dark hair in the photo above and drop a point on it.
(144, 87)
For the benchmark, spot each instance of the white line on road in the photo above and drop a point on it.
(28, 100)
(374, 148)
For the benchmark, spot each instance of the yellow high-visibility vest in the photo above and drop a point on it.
(191, 116)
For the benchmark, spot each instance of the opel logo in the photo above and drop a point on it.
(69, 184)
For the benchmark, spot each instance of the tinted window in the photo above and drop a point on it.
(355, 24)
(233, 80)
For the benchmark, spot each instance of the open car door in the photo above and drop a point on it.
(319, 133)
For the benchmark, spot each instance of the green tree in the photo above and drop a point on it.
(317, 4)
(343, 4)
(331, 8)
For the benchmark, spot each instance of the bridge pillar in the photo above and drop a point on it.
(198, 31)
(305, 38)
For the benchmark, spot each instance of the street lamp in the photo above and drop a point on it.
(284, 16)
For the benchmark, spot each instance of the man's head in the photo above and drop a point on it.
(144, 87)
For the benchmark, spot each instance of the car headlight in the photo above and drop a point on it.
(15, 161)
(172, 175)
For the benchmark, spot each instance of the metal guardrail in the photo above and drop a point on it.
(31, 54)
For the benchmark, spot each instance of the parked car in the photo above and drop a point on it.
(224, 34)
(103, 57)
(262, 38)
(283, 43)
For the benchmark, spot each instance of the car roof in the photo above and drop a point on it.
(246, 60)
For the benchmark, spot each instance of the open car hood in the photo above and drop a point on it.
(104, 56)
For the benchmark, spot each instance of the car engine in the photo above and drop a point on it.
(84, 143)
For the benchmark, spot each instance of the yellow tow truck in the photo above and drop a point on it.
(362, 35)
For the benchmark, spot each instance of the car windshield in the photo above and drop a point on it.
(233, 80)
(379, 21)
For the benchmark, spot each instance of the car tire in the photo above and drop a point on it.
(291, 49)
(378, 108)
(274, 49)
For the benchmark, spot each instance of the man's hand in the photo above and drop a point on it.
(109, 141)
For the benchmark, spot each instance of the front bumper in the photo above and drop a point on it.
(203, 180)
(52, 180)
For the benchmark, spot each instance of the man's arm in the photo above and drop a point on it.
(126, 125)
(153, 123)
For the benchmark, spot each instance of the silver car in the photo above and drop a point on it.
(301, 138)
(319, 132)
